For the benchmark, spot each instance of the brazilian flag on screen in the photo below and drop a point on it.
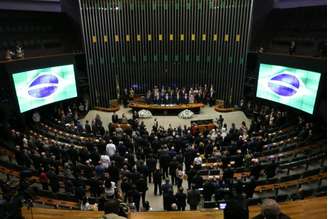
(39, 87)
(290, 86)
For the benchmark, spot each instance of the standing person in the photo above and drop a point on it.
(167, 186)
(44, 179)
(151, 164)
(211, 96)
(110, 148)
(179, 176)
(169, 200)
(228, 175)
(181, 197)
(54, 181)
(193, 198)
(87, 127)
(166, 199)
(131, 94)
(114, 118)
(164, 160)
(157, 181)
(220, 122)
(142, 188)
(173, 169)
(292, 48)
(125, 97)
(134, 196)
(270, 170)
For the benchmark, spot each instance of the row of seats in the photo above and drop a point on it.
(275, 182)
(278, 135)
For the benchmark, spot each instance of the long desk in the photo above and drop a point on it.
(314, 208)
(311, 208)
(208, 214)
(166, 109)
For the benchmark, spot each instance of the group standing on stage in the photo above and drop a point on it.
(168, 95)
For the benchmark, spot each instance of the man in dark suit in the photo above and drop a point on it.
(270, 170)
(167, 189)
(211, 96)
(164, 160)
(115, 118)
(292, 48)
(157, 181)
(228, 175)
(151, 163)
(173, 164)
(256, 170)
(54, 181)
(193, 198)
(125, 97)
(87, 127)
(142, 188)
(209, 189)
(250, 188)
(181, 197)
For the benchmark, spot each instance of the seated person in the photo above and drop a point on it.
(270, 210)
(112, 209)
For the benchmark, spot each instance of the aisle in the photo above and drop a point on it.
(156, 202)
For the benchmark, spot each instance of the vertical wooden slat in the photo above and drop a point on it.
(144, 20)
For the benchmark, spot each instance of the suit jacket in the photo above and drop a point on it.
(114, 118)
(193, 197)
(181, 198)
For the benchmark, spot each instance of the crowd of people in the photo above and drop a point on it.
(18, 53)
(168, 95)
(124, 162)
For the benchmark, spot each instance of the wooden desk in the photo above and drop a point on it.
(235, 175)
(110, 109)
(57, 202)
(47, 213)
(224, 110)
(115, 106)
(156, 108)
(124, 126)
(283, 185)
(311, 208)
(203, 128)
(208, 214)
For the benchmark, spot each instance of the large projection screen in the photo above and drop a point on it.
(293, 87)
(43, 86)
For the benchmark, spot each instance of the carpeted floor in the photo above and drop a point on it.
(206, 113)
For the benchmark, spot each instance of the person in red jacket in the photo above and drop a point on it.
(44, 179)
